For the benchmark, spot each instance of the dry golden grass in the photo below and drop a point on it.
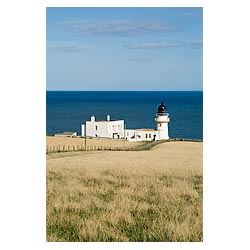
(153, 195)
(77, 141)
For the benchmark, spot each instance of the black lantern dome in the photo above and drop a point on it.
(162, 109)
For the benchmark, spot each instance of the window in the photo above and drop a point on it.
(146, 135)
(95, 127)
(149, 135)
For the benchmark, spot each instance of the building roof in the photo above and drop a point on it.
(66, 133)
(143, 129)
(107, 121)
(146, 129)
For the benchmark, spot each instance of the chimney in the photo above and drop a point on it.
(108, 118)
(92, 118)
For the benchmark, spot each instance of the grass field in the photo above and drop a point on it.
(153, 195)
(104, 142)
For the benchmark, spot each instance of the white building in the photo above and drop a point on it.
(108, 128)
(116, 129)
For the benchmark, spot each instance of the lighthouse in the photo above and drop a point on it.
(116, 128)
(162, 119)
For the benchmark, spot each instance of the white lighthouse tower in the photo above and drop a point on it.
(162, 119)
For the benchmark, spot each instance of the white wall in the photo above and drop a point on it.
(83, 129)
(141, 135)
(162, 126)
(106, 129)
(101, 131)
(163, 130)
(116, 128)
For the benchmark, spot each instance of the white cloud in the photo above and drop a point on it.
(150, 46)
(194, 45)
(62, 49)
(115, 27)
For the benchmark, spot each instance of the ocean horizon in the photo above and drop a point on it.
(67, 110)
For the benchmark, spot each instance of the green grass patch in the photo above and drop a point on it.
(105, 196)
(64, 231)
(89, 182)
(51, 175)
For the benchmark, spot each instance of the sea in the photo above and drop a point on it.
(67, 110)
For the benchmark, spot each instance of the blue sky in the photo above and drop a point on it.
(124, 49)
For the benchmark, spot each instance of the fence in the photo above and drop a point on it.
(75, 148)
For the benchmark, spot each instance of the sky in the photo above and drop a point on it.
(150, 49)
